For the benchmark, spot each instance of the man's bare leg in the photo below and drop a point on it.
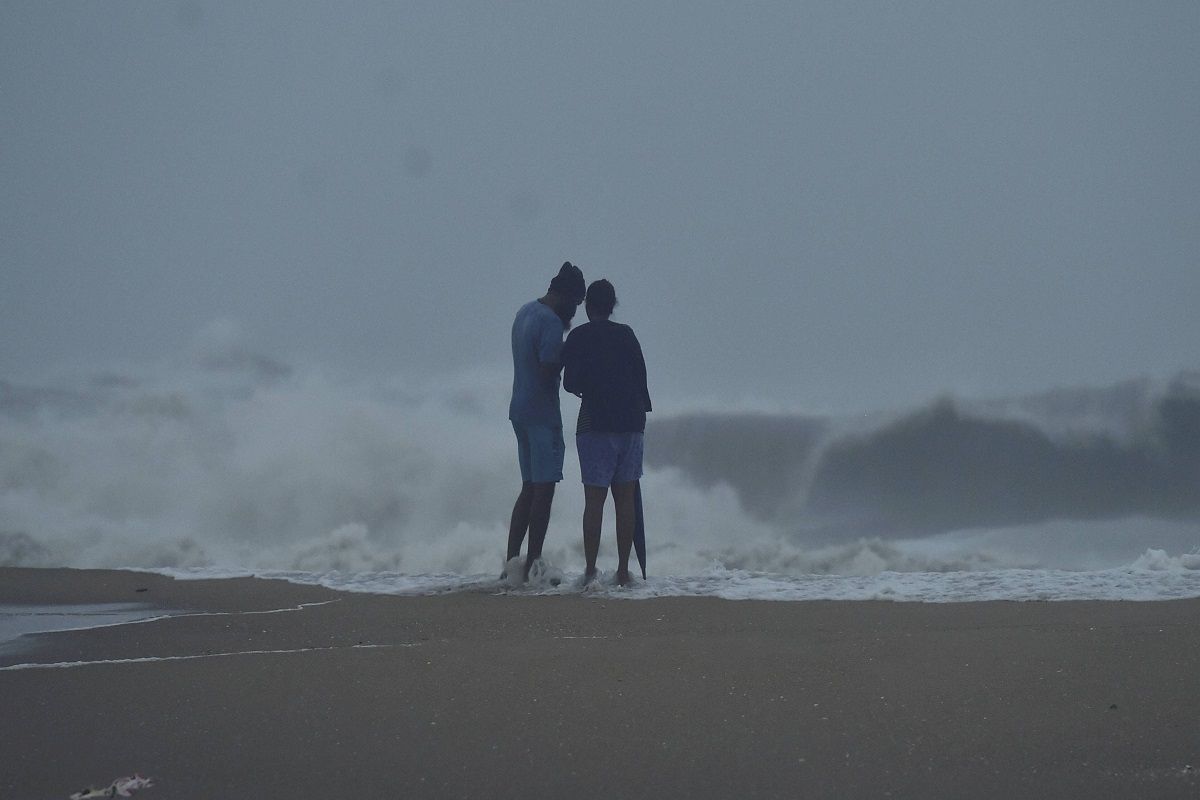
(623, 499)
(519, 523)
(593, 519)
(539, 521)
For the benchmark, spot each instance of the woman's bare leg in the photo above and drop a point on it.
(623, 499)
(593, 519)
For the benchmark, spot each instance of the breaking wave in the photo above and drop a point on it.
(1132, 450)
(231, 460)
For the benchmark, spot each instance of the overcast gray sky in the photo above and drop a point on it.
(816, 204)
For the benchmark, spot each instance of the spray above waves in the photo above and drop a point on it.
(304, 472)
(234, 460)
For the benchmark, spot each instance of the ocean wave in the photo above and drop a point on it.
(230, 461)
(1129, 450)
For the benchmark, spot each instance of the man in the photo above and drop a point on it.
(537, 334)
(604, 365)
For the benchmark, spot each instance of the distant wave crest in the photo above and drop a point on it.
(953, 465)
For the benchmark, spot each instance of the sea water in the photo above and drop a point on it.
(233, 464)
(17, 621)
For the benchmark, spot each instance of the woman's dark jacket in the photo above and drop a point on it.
(602, 363)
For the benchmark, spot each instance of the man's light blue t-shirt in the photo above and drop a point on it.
(536, 339)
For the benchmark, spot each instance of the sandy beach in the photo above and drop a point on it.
(271, 690)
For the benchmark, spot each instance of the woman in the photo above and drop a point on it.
(603, 364)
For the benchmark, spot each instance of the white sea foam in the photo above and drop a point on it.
(197, 657)
(1152, 576)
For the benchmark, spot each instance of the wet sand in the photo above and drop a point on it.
(503, 696)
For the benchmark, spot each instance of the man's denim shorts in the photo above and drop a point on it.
(608, 458)
(540, 451)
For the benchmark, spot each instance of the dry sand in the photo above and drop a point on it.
(486, 696)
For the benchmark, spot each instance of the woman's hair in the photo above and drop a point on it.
(601, 298)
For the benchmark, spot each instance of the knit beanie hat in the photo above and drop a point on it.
(569, 282)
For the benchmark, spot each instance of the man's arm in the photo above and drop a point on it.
(549, 351)
(570, 360)
(549, 374)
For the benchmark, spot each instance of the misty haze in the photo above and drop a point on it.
(631, 399)
(915, 286)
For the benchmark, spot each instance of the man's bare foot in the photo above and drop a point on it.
(624, 578)
(542, 572)
(589, 575)
(512, 568)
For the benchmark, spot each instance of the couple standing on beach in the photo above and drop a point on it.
(602, 363)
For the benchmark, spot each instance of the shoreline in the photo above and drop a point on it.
(1153, 577)
(271, 689)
